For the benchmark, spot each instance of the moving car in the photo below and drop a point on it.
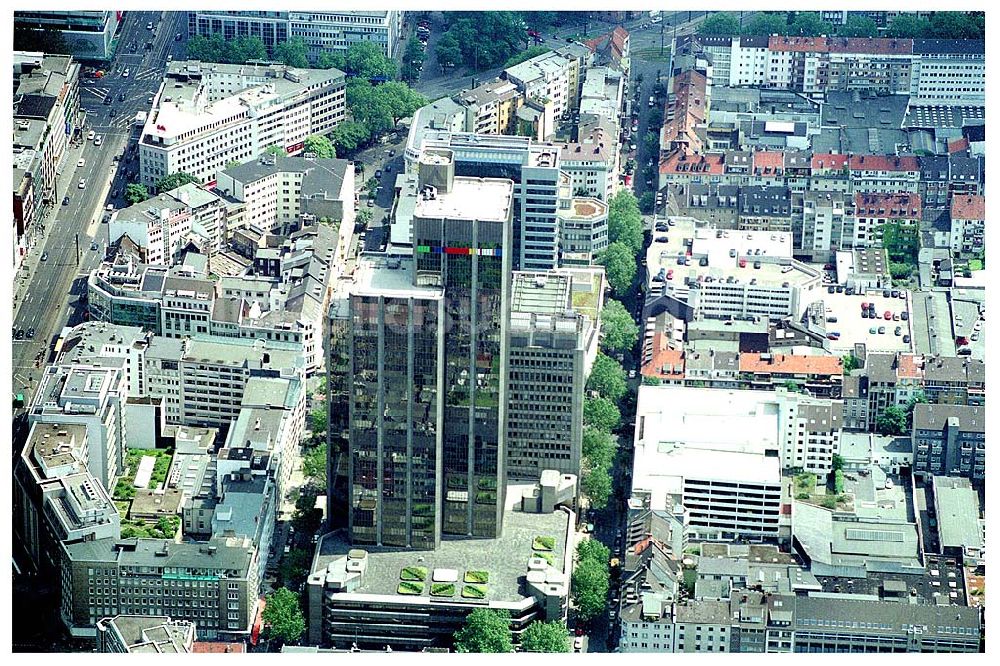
(30, 334)
(81, 162)
(82, 184)
(45, 256)
(65, 201)
(125, 73)
(149, 26)
(93, 245)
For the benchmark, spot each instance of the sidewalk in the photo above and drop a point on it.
(38, 238)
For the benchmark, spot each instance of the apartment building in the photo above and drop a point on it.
(278, 192)
(954, 380)
(949, 440)
(968, 225)
(93, 397)
(553, 80)
(143, 634)
(212, 584)
(56, 498)
(554, 331)
(583, 226)
(592, 163)
(491, 108)
(322, 31)
(206, 115)
(161, 227)
(886, 379)
(828, 225)
(871, 211)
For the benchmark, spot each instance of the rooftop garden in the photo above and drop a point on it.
(477, 577)
(443, 589)
(125, 488)
(474, 591)
(410, 587)
(545, 556)
(164, 528)
(544, 543)
(413, 573)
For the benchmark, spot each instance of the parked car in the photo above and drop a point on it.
(93, 245)
(82, 184)
(45, 256)
(904, 315)
(90, 135)
(30, 334)
(898, 331)
(888, 315)
(578, 643)
(881, 330)
(65, 201)
(906, 339)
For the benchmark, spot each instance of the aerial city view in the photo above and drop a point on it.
(498, 331)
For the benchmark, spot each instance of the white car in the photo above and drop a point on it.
(82, 184)
(81, 162)
(90, 135)
(125, 73)
(98, 140)
(149, 26)
(578, 643)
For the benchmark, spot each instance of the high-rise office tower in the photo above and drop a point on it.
(417, 361)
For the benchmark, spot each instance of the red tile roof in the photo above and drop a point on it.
(958, 146)
(884, 163)
(767, 159)
(686, 111)
(812, 44)
(968, 207)
(614, 41)
(709, 163)
(793, 364)
(904, 205)
(666, 363)
(828, 161)
(874, 46)
(217, 648)
(909, 367)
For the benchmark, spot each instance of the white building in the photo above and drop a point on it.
(206, 115)
(552, 78)
(948, 72)
(93, 397)
(329, 30)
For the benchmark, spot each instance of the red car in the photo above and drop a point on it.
(888, 315)
(579, 631)
(864, 306)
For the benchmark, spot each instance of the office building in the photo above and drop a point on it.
(212, 584)
(89, 35)
(93, 397)
(322, 31)
(206, 115)
(961, 532)
(583, 226)
(949, 440)
(554, 329)
(145, 634)
(278, 192)
(440, 379)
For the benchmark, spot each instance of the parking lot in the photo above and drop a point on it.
(844, 316)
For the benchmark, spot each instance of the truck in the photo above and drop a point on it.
(140, 119)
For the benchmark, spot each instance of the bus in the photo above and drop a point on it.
(60, 342)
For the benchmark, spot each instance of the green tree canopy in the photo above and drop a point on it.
(767, 23)
(276, 150)
(484, 39)
(809, 24)
(601, 414)
(851, 362)
(619, 265)
(625, 221)
(318, 420)
(597, 486)
(647, 202)
(593, 550)
(607, 378)
(365, 60)
(349, 135)
(858, 26)
(135, 193)
(527, 54)
(957, 25)
(447, 51)
(598, 447)
(892, 421)
(413, 60)
(545, 637)
(485, 630)
(175, 180)
(320, 145)
(314, 465)
(651, 141)
(293, 52)
(720, 23)
(284, 616)
(908, 26)
(215, 48)
(590, 583)
(619, 332)
(328, 60)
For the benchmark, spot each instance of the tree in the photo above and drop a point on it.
(275, 150)
(402, 100)
(318, 420)
(900, 271)
(485, 39)
(619, 332)
(485, 630)
(363, 217)
(348, 136)
(957, 25)
(216, 48)
(838, 462)
(135, 193)
(858, 26)
(651, 142)
(328, 60)
(527, 54)
(607, 378)
(809, 24)
(918, 398)
(175, 180)
(647, 202)
(619, 263)
(892, 421)
(625, 221)
(720, 23)
(314, 465)
(413, 59)
(599, 447)
(767, 23)
(590, 583)
(597, 486)
(908, 26)
(292, 52)
(447, 51)
(284, 616)
(902, 242)
(545, 637)
(592, 550)
(851, 362)
(601, 413)
(365, 60)
(320, 145)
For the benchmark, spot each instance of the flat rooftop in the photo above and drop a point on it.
(487, 199)
(957, 513)
(388, 275)
(853, 328)
(53, 443)
(541, 293)
(506, 558)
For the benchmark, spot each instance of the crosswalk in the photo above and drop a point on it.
(149, 73)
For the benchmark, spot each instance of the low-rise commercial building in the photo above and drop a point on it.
(145, 634)
(960, 529)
